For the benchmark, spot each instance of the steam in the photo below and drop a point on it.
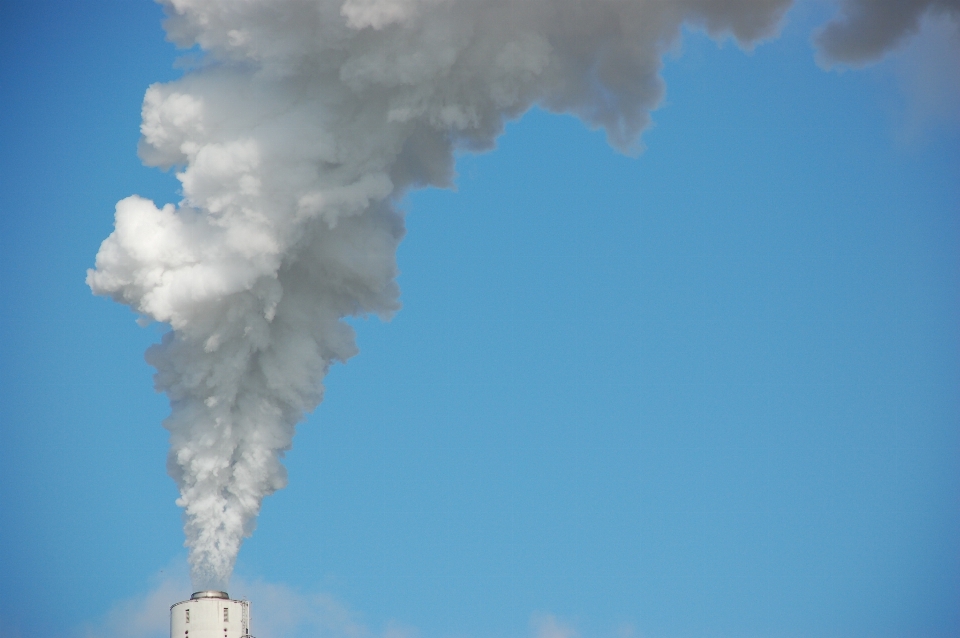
(293, 141)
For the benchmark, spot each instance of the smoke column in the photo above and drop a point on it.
(303, 125)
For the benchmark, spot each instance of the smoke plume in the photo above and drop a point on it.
(294, 138)
(870, 28)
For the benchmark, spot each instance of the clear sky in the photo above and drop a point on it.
(711, 390)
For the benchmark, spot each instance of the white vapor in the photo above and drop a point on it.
(278, 611)
(293, 141)
(547, 626)
(143, 616)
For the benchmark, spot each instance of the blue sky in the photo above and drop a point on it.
(711, 390)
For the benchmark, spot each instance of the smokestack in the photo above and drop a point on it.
(210, 614)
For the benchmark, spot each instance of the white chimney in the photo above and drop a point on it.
(210, 614)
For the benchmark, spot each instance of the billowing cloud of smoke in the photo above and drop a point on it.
(293, 141)
(869, 28)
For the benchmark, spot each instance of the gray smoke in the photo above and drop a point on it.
(293, 141)
(870, 28)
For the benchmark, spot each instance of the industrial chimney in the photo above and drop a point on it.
(210, 614)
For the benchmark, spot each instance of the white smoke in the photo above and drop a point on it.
(306, 122)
